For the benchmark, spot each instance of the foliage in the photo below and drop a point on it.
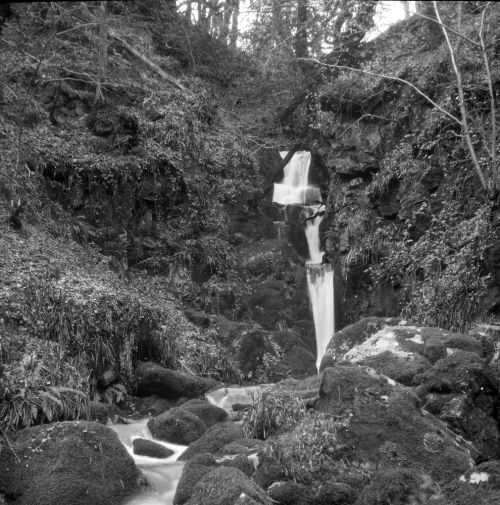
(309, 452)
(275, 410)
(44, 385)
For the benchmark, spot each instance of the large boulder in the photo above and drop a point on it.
(352, 335)
(224, 486)
(385, 426)
(153, 379)
(76, 462)
(462, 389)
(213, 440)
(177, 426)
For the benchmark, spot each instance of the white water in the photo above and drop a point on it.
(294, 189)
(225, 398)
(320, 285)
(162, 474)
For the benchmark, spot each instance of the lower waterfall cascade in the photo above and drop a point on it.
(294, 189)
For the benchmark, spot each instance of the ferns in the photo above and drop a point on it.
(42, 387)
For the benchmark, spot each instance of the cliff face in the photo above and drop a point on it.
(413, 232)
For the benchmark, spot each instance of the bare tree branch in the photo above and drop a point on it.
(464, 122)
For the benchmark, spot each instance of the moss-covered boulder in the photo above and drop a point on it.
(384, 426)
(214, 439)
(224, 486)
(177, 426)
(77, 462)
(153, 379)
(210, 414)
(144, 447)
(462, 389)
(193, 471)
(353, 334)
(402, 369)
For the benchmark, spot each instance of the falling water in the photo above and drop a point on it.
(295, 189)
(162, 474)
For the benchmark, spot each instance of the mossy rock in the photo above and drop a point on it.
(210, 414)
(77, 462)
(177, 426)
(213, 440)
(223, 486)
(384, 426)
(144, 447)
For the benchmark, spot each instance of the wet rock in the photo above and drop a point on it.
(386, 427)
(102, 412)
(213, 440)
(77, 462)
(243, 446)
(143, 447)
(223, 486)
(208, 413)
(177, 426)
(153, 379)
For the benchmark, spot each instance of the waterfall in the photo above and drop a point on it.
(294, 189)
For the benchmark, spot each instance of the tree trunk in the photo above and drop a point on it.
(279, 30)
(103, 50)
(189, 10)
(301, 47)
(233, 38)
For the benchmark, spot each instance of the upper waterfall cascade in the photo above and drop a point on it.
(295, 189)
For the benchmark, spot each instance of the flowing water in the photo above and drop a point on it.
(295, 189)
(225, 398)
(162, 474)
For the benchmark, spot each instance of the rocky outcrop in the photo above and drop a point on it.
(153, 379)
(76, 462)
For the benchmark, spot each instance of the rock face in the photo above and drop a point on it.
(177, 426)
(153, 379)
(81, 463)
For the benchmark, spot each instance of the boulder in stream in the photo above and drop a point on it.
(210, 414)
(74, 462)
(153, 379)
(213, 440)
(177, 426)
(144, 447)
